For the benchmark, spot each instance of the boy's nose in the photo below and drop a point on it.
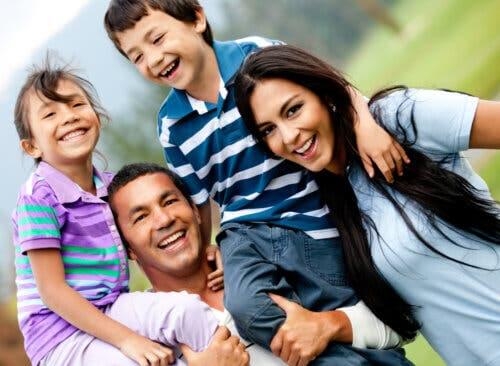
(155, 59)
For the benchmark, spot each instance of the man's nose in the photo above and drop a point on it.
(163, 218)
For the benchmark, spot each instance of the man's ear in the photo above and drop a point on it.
(200, 24)
(30, 148)
(130, 252)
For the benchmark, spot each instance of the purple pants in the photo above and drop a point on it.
(171, 318)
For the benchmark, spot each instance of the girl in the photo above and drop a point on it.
(434, 233)
(72, 273)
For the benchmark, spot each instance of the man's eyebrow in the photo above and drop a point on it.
(287, 103)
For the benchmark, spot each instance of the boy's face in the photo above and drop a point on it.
(165, 50)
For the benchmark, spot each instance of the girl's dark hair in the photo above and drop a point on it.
(43, 80)
(442, 194)
(124, 14)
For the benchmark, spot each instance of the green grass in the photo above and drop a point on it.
(491, 174)
(452, 44)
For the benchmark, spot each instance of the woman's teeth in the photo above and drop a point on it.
(306, 146)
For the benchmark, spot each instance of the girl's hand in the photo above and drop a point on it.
(146, 352)
(304, 335)
(215, 278)
(223, 350)
(374, 144)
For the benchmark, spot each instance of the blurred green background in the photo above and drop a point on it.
(452, 44)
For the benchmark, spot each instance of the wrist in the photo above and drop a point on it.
(338, 326)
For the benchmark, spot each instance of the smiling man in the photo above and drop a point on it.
(160, 226)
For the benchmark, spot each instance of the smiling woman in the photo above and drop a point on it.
(433, 235)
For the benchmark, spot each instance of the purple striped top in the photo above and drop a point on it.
(54, 212)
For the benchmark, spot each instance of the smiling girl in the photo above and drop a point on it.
(434, 233)
(71, 266)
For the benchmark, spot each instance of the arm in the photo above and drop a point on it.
(374, 143)
(224, 350)
(206, 222)
(48, 270)
(485, 132)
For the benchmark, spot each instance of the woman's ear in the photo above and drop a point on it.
(200, 24)
(30, 148)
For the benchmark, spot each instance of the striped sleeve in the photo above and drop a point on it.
(179, 164)
(37, 224)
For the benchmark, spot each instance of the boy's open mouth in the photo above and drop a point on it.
(170, 69)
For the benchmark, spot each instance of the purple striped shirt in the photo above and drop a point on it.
(54, 212)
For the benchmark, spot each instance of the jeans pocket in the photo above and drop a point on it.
(325, 258)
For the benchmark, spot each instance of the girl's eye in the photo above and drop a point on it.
(137, 58)
(264, 132)
(292, 110)
(48, 115)
(158, 39)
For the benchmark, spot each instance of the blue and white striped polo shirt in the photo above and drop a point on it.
(209, 146)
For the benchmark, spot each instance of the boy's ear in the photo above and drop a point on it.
(200, 24)
(30, 148)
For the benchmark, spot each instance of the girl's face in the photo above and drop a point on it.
(62, 133)
(294, 123)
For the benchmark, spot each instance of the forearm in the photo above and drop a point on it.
(485, 133)
(206, 223)
(363, 115)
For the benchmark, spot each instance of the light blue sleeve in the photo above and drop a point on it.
(443, 119)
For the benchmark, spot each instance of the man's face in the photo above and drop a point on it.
(160, 226)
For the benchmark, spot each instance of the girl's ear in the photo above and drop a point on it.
(30, 148)
(200, 24)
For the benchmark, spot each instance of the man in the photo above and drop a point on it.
(160, 226)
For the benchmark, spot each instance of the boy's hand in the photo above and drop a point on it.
(303, 336)
(374, 144)
(146, 352)
(223, 350)
(215, 278)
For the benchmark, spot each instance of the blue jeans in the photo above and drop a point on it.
(261, 259)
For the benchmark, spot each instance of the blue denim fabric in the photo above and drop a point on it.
(261, 259)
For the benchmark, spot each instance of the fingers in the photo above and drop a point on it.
(277, 343)
(215, 280)
(211, 249)
(283, 302)
(384, 168)
(367, 164)
(218, 259)
(402, 152)
(222, 333)
(397, 159)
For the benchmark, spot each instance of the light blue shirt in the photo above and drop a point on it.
(459, 306)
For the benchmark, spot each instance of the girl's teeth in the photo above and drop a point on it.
(73, 134)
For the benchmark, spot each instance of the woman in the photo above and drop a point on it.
(434, 233)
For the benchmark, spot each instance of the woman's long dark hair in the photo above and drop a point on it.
(442, 194)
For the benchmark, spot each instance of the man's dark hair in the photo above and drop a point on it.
(131, 172)
(124, 14)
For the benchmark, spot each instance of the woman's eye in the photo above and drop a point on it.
(169, 201)
(292, 110)
(78, 104)
(266, 131)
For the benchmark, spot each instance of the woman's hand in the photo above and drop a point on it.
(223, 350)
(146, 352)
(305, 334)
(215, 278)
(374, 144)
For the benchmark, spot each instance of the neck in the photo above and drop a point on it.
(338, 164)
(206, 85)
(81, 174)
(195, 283)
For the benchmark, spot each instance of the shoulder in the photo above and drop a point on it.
(252, 43)
(38, 189)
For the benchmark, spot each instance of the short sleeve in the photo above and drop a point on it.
(37, 225)
(180, 165)
(443, 120)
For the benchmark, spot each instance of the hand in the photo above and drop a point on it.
(375, 144)
(223, 350)
(303, 336)
(215, 278)
(146, 352)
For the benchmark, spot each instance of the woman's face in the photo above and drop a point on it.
(294, 123)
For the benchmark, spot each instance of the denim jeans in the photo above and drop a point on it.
(261, 259)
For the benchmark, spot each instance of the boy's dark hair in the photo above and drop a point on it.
(131, 172)
(124, 14)
(43, 80)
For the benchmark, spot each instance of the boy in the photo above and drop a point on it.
(273, 220)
